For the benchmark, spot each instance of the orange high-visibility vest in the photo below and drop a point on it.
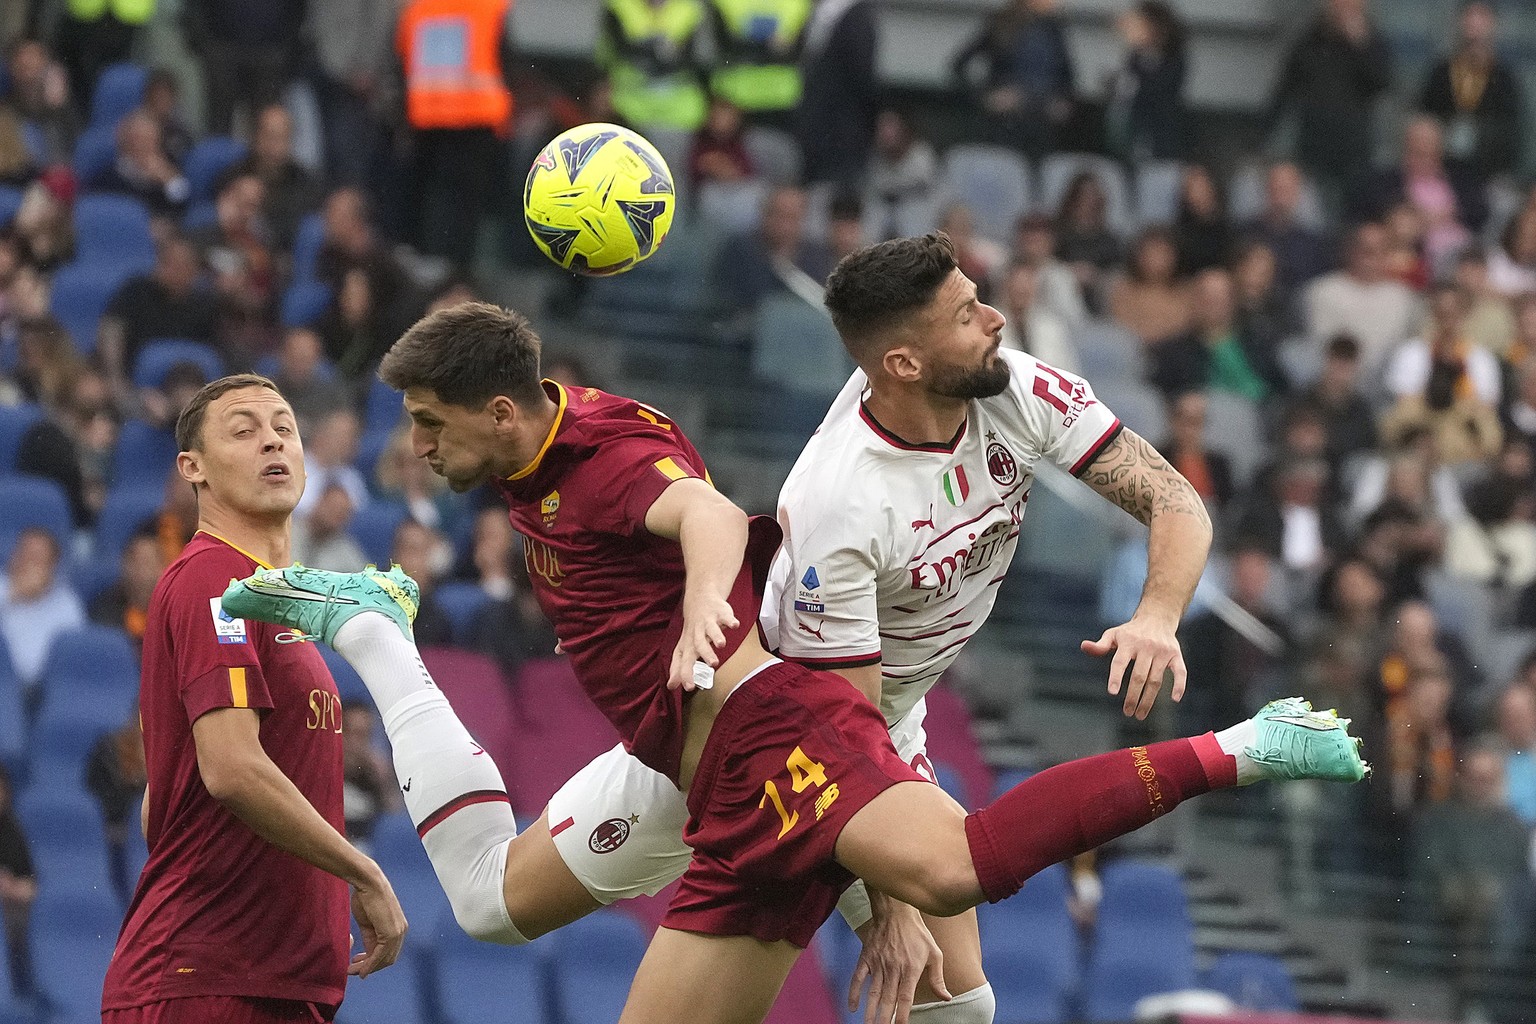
(451, 50)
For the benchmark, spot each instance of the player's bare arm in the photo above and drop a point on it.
(1132, 474)
(238, 773)
(713, 535)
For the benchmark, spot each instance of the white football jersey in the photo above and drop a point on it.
(893, 552)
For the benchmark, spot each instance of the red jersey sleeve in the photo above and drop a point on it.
(634, 470)
(215, 654)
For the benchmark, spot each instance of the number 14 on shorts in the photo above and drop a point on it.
(803, 773)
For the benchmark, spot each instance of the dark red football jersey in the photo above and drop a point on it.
(613, 590)
(219, 910)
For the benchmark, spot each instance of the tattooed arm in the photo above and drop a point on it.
(1131, 473)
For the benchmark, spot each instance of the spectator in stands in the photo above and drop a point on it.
(352, 42)
(1265, 316)
(91, 37)
(238, 248)
(1203, 234)
(835, 123)
(45, 227)
(978, 258)
(1491, 318)
(1476, 95)
(1301, 252)
(404, 478)
(1495, 543)
(330, 455)
(250, 51)
(845, 226)
(1407, 259)
(143, 170)
(511, 628)
(1516, 732)
(320, 537)
(39, 93)
(46, 362)
(651, 53)
(306, 380)
(1019, 68)
(125, 604)
(392, 304)
(1056, 287)
(1031, 326)
(1144, 117)
(1448, 200)
(778, 255)
(757, 52)
(1362, 301)
(903, 172)
(1520, 416)
(1149, 299)
(1421, 751)
(368, 782)
(1512, 264)
(1417, 644)
(17, 163)
(1084, 239)
(1351, 599)
(1208, 472)
(1215, 354)
(168, 302)
(114, 774)
(290, 192)
(719, 152)
(1303, 437)
(160, 405)
(1291, 520)
(1331, 79)
(18, 891)
(427, 557)
(1408, 471)
(162, 101)
(1350, 424)
(36, 605)
(92, 421)
(1444, 382)
(1228, 671)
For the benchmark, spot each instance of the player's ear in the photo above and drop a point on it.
(190, 466)
(503, 411)
(901, 363)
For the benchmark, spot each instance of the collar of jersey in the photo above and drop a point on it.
(938, 447)
(237, 547)
(549, 438)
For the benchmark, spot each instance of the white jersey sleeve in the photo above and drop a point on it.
(1068, 425)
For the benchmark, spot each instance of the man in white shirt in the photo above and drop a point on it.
(1363, 301)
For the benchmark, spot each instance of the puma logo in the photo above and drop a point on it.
(478, 750)
(813, 632)
(918, 524)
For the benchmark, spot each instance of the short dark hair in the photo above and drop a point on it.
(1344, 346)
(189, 425)
(876, 288)
(466, 355)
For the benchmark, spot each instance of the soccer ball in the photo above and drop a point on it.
(599, 199)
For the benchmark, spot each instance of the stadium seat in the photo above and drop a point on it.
(388, 997)
(1108, 352)
(735, 207)
(795, 346)
(481, 982)
(202, 214)
(1130, 967)
(1234, 427)
(1059, 169)
(461, 602)
(305, 302)
(13, 736)
(210, 158)
(119, 89)
(595, 960)
(1032, 951)
(10, 205)
(307, 242)
(157, 357)
(15, 421)
(1254, 981)
(74, 927)
(145, 454)
(94, 152)
(114, 229)
(1245, 198)
(1463, 607)
(32, 501)
(1138, 406)
(993, 182)
(81, 291)
(1142, 893)
(1158, 183)
(373, 527)
(132, 504)
(775, 154)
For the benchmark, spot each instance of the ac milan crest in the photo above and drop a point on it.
(1001, 465)
(608, 836)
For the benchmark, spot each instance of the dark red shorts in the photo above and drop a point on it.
(219, 1010)
(792, 756)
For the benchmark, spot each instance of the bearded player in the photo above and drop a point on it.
(791, 778)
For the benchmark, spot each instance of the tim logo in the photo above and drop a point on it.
(608, 836)
(1001, 465)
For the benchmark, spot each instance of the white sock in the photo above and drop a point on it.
(1233, 741)
(389, 664)
(978, 1006)
(452, 786)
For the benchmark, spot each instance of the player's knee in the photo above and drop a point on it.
(944, 889)
(978, 1006)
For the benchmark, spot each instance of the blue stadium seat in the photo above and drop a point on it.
(387, 997)
(15, 421)
(1254, 981)
(461, 602)
(307, 242)
(81, 291)
(10, 205)
(119, 89)
(477, 981)
(305, 302)
(1034, 958)
(992, 181)
(374, 526)
(91, 652)
(210, 158)
(94, 152)
(13, 737)
(383, 409)
(1142, 893)
(202, 214)
(130, 505)
(595, 959)
(157, 357)
(114, 229)
(32, 501)
(1143, 940)
(144, 455)
(74, 928)
(795, 346)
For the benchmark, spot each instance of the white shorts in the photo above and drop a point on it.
(618, 825)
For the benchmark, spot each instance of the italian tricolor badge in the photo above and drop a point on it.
(956, 487)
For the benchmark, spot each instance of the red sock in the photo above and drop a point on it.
(1074, 807)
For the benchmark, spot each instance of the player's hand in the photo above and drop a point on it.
(1144, 650)
(382, 923)
(898, 953)
(705, 620)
